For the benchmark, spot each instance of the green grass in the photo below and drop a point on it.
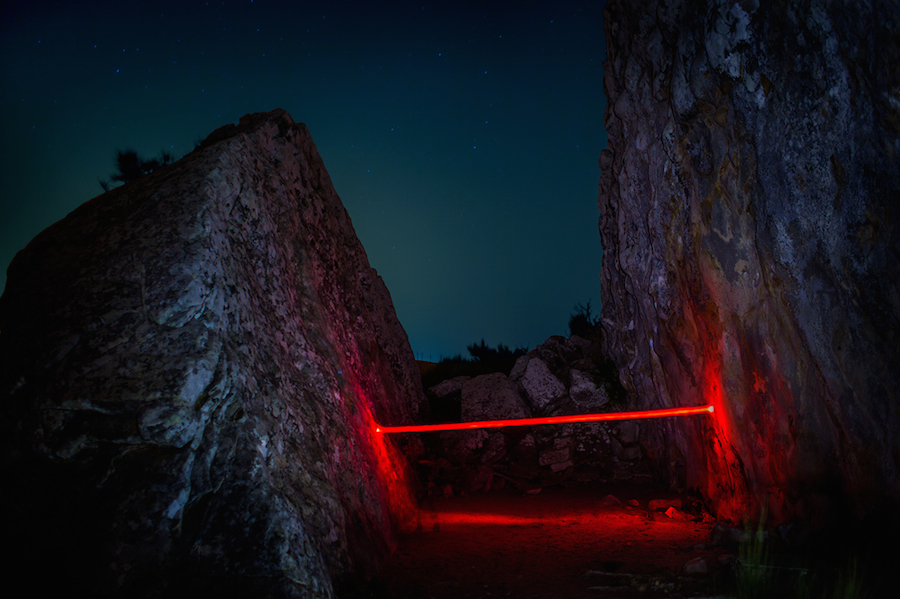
(760, 576)
(755, 575)
(849, 583)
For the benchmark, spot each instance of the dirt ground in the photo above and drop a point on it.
(575, 542)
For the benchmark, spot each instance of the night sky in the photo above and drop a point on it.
(462, 137)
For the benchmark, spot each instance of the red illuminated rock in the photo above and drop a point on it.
(661, 504)
(191, 366)
(748, 216)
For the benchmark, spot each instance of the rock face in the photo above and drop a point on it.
(191, 366)
(749, 220)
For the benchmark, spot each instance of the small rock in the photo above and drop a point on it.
(447, 490)
(494, 448)
(560, 466)
(696, 566)
(555, 456)
(634, 503)
(561, 442)
(672, 512)
(611, 500)
(661, 504)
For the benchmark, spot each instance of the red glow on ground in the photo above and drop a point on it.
(545, 546)
(456, 426)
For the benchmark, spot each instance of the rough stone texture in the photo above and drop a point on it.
(584, 393)
(191, 365)
(485, 397)
(543, 390)
(492, 397)
(748, 216)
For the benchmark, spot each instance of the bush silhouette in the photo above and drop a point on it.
(130, 166)
(583, 323)
(484, 360)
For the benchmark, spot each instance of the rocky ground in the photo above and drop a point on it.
(581, 541)
(618, 540)
(551, 510)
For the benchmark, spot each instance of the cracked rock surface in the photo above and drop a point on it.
(191, 366)
(749, 220)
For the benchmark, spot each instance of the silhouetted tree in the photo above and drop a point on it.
(486, 354)
(130, 166)
(583, 323)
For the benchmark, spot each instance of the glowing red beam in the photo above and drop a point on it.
(458, 426)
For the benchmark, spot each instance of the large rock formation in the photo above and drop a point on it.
(191, 366)
(749, 220)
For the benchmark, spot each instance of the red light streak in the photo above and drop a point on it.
(458, 426)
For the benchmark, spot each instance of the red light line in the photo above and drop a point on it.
(458, 426)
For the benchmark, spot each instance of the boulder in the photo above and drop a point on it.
(559, 457)
(485, 397)
(192, 366)
(542, 389)
(518, 369)
(491, 397)
(584, 393)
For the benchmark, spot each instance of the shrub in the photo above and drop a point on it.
(583, 323)
(130, 166)
(484, 360)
